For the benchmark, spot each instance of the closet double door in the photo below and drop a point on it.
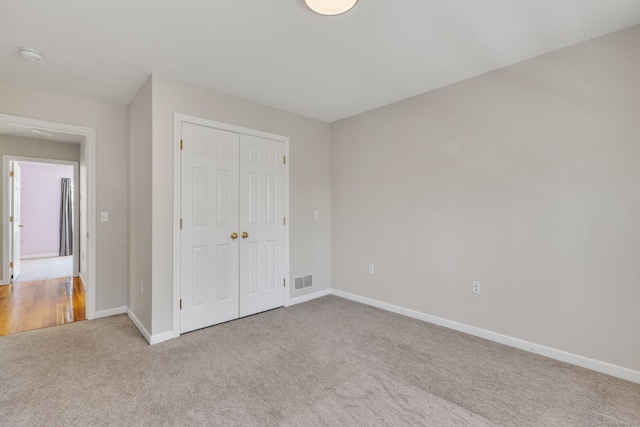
(232, 238)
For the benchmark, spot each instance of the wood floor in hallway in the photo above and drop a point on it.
(25, 306)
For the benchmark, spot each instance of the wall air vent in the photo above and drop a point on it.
(303, 282)
(308, 281)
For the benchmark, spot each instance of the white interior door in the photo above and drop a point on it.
(14, 224)
(232, 246)
(209, 250)
(262, 222)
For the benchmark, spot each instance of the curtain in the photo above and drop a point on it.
(66, 219)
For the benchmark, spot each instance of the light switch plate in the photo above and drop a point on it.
(104, 216)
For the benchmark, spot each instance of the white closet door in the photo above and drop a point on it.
(261, 218)
(209, 253)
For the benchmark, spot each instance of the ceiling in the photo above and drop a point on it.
(280, 54)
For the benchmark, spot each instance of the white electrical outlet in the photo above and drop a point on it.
(475, 288)
(370, 268)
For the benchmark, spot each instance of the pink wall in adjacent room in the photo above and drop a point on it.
(40, 201)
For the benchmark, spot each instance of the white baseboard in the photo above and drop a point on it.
(563, 356)
(40, 256)
(151, 339)
(139, 325)
(308, 297)
(111, 312)
(158, 338)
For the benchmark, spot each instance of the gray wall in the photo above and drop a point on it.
(110, 122)
(140, 240)
(28, 147)
(309, 182)
(525, 179)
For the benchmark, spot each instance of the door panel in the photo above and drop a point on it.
(261, 217)
(209, 268)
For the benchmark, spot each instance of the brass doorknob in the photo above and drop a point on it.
(245, 234)
(234, 236)
(21, 226)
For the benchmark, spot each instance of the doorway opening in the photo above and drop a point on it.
(35, 141)
(44, 217)
(45, 288)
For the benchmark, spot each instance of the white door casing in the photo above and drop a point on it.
(233, 242)
(15, 224)
(209, 271)
(262, 219)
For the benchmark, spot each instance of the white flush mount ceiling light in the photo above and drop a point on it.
(330, 7)
(30, 54)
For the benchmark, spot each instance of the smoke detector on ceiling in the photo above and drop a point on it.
(30, 54)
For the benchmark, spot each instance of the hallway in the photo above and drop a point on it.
(25, 306)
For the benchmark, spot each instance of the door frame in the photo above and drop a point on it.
(178, 120)
(87, 181)
(6, 184)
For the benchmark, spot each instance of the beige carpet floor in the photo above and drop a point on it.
(326, 362)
